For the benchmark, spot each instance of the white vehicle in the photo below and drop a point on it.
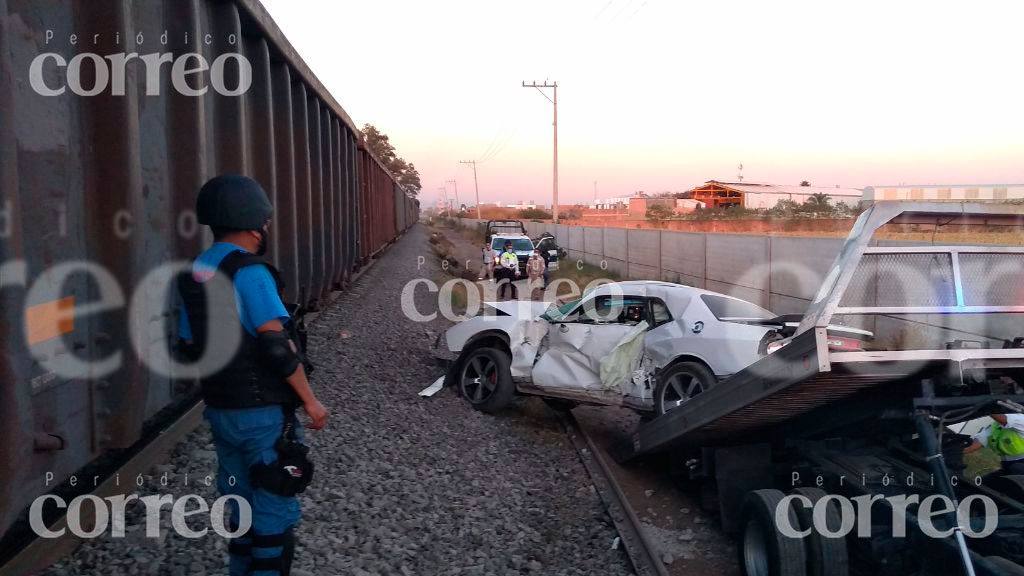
(521, 245)
(643, 344)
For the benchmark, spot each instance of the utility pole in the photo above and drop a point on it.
(476, 186)
(554, 124)
(455, 185)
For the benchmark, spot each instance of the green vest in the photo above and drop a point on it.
(1006, 442)
(509, 260)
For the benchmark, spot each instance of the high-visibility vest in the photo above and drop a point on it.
(1006, 442)
(510, 260)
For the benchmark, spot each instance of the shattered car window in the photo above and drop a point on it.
(659, 312)
(729, 308)
(556, 314)
(608, 310)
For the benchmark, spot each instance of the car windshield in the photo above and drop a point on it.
(518, 244)
(725, 308)
(555, 314)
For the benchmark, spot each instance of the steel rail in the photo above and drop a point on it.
(40, 553)
(643, 555)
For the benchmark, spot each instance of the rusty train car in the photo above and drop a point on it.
(99, 168)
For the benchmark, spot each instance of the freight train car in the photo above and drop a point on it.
(406, 209)
(100, 162)
(377, 204)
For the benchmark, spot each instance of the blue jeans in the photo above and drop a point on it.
(243, 438)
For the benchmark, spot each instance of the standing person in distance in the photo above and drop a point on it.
(508, 266)
(536, 270)
(487, 267)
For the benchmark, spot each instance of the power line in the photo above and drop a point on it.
(501, 146)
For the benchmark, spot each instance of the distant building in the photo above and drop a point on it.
(638, 205)
(945, 192)
(521, 206)
(687, 205)
(609, 203)
(715, 194)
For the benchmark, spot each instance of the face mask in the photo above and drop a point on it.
(262, 249)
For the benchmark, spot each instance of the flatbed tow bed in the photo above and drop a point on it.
(848, 423)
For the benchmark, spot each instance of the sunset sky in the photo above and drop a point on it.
(661, 95)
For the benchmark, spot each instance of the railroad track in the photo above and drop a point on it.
(645, 559)
(40, 553)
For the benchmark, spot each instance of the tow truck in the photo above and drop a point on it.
(810, 424)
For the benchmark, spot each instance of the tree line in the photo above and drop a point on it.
(405, 172)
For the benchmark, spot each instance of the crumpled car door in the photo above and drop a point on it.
(573, 357)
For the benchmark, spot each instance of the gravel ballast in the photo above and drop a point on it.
(404, 485)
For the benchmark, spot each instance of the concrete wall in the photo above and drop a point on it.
(780, 273)
(777, 272)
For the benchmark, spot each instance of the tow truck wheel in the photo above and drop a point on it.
(764, 550)
(825, 556)
(679, 383)
(485, 379)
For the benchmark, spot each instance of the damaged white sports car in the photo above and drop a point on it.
(643, 344)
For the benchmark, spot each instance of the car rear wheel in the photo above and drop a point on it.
(679, 384)
(485, 379)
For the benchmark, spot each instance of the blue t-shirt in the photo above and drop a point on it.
(255, 291)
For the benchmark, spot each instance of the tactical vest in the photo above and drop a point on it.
(1006, 442)
(244, 382)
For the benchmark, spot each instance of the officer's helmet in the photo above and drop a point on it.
(233, 201)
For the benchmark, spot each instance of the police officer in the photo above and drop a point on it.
(1005, 437)
(251, 401)
(508, 271)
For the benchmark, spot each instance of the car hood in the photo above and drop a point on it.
(521, 309)
(513, 318)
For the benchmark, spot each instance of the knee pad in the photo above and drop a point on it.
(241, 545)
(280, 563)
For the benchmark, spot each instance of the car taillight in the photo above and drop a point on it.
(840, 344)
(773, 346)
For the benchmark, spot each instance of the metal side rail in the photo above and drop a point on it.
(791, 383)
(642, 553)
(774, 390)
